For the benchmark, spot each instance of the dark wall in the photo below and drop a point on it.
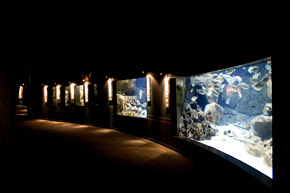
(157, 126)
(8, 97)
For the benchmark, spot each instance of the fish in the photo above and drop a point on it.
(220, 78)
(226, 76)
(214, 76)
(258, 86)
(191, 90)
(234, 88)
(216, 86)
(209, 93)
(265, 79)
(229, 79)
(215, 93)
(254, 81)
(253, 69)
(232, 81)
(238, 78)
(201, 91)
(267, 66)
(207, 75)
(244, 86)
(221, 89)
(228, 101)
(141, 94)
(239, 93)
(194, 98)
(229, 71)
(200, 83)
(256, 75)
(217, 81)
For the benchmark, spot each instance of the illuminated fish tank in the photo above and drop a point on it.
(230, 110)
(131, 97)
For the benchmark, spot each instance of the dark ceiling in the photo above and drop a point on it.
(177, 49)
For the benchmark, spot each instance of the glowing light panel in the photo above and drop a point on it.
(86, 87)
(148, 84)
(20, 93)
(72, 92)
(57, 90)
(45, 93)
(110, 90)
(166, 90)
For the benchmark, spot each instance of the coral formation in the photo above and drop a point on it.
(196, 124)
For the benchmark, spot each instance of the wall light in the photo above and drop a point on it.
(72, 92)
(45, 93)
(20, 92)
(166, 90)
(110, 89)
(148, 86)
(86, 87)
(57, 90)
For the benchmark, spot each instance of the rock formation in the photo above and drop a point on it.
(268, 109)
(214, 112)
(262, 126)
(254, 146)
(267, 153)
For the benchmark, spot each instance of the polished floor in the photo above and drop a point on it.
(54, 156)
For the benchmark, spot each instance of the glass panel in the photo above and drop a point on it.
(53, 96)
(230, 110)
(131, 97)
(67, 93)
(81, 95)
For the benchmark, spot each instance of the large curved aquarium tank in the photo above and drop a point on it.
(131, 97)
(230, 110)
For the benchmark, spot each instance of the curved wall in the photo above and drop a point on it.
(160, 125)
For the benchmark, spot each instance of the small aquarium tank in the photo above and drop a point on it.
(131, 98)
(231, 111)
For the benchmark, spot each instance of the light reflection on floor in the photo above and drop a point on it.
(135, 142)
(115, 142)
(101, 131)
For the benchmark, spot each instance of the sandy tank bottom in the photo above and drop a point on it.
(237, 150)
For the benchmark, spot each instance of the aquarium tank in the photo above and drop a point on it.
(230, 110)
(79, 95)
(131, 98)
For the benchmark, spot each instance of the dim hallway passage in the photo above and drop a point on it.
(56, 156)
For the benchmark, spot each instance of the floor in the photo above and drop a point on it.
(54, 156)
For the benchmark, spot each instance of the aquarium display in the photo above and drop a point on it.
(67, 94)
(231, 111)
(54, 96)
(79, 95)
(131, 98)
